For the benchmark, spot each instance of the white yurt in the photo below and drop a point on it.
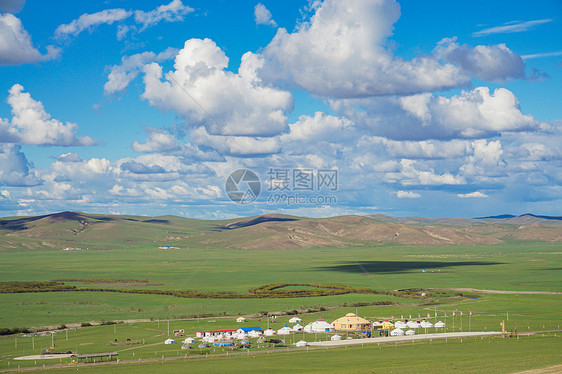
(188, 341)
(295, 320)
(439, 324)
(426, 324)
(240, 336)
(269, 332)
(400, 325)
(285, 330)
(410, 332)
(254, 334)
(397, 332)
(297, 327)
(169, 341)
(336, 337)
(413, 325)
(301, 343)
(319, 326)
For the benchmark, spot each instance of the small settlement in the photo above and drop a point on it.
(351, 325)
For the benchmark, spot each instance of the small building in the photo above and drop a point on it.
(295, 320)
(285, 330)
(397, 332)
(387, 325)
(301, 343)
(319, 326)
(179, 332)
(240, 319)
(297, 327)
(169, 341)
(202, 334)
(335, 337)
(247, 330)
(270, 332)
(351, 322)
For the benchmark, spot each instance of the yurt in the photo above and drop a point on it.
(335, 337)
(295, 320)
(188, 341)
(285, 330)
(301, 343)
(413, 325)
(397, 332)
(240, 319)
(319, 326)
(269, 332)
(240, 336)
(426, 324)
(169, 341)
(410, 332)
(400, 325)
(439, 324)
(254, 334)
(297, 327)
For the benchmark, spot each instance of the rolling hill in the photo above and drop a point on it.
(271, 231)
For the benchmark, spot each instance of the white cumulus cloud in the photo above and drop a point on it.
(202, 91)
(158, 140)
(31, 124)
(262, 15)
(341, 52)
(16, 46)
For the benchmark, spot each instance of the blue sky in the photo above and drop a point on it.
(423, 109)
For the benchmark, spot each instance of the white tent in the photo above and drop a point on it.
(426, 324)
(319, 326)
(285, 330)
(240, 336)
(439, 324)
(269, 332)
(413, 325)
(335, 337)
(254, 334)
(410, 332)
(295, 320)
(169, 341)
(189, 341)
(301, 343)
(397, 332)
(297, 327)
(400, 325)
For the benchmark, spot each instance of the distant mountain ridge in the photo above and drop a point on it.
(269, 231)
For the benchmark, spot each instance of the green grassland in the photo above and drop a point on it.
(134, 255)
(489, 355)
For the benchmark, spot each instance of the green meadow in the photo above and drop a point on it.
(511, 267)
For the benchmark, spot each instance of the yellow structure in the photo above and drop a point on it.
(351, 323)
(386, 325)
(241, 319)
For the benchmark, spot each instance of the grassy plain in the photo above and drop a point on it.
(515, 266)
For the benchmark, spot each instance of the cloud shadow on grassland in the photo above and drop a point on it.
(400, 266)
